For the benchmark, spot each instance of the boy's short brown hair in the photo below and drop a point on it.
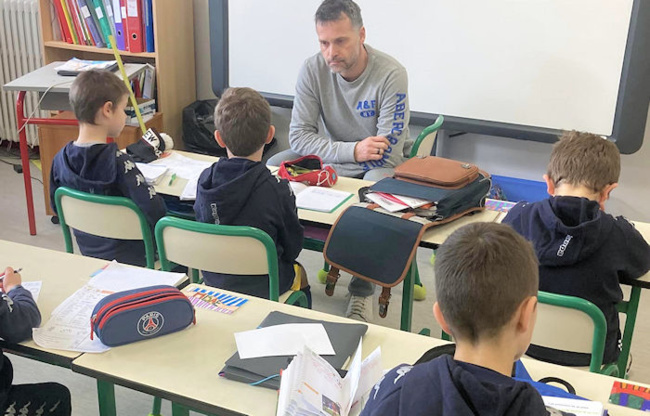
(584, 159)
(91, 90)
(483, 271)
(243, 118)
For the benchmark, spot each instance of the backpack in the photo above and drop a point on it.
(376, 245)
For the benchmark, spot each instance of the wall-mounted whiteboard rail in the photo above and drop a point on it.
(524, 69)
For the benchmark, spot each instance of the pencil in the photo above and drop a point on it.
(15, 271)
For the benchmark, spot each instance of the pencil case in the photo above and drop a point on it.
(135, 315)
(308, 170)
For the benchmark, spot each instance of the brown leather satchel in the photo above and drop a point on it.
(437, 171)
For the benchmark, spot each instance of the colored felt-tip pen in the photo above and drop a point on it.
(2, 276)
(172, 179)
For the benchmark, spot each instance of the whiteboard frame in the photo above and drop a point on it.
(632, 104)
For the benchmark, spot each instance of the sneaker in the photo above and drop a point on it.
(360, 308)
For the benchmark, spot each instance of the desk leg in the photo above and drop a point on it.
(178, 410)
(407, 298)
(631, 310)
(24, 159)
(106, 398)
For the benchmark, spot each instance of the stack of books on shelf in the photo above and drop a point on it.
(91, 22)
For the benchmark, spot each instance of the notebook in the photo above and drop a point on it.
(152, 173)
(75, 66)
(317, 198)
(344, 338)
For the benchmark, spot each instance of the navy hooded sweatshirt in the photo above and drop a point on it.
(238, 191)
(444, 386)
(18, 315)
(582, 252)
(102, 169)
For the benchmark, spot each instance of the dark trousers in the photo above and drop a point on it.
(42, 399)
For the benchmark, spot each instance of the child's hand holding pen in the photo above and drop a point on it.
(10, 279)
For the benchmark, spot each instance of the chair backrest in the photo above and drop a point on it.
(572, 324)
(105, 216)
(426, 141)
(216, 248)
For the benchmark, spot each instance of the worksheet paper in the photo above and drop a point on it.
(69, 325)
(316, 198)
(286, 339)
(34, 288)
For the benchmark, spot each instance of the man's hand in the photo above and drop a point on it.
(10, 280)
(370, 148)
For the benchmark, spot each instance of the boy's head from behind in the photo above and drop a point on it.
(486, 284)
(583, 164)
(243, 122)
(98, 97)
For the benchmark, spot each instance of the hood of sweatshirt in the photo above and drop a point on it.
(230, 183)
(565, 229)
(89, 168)
(444, 386)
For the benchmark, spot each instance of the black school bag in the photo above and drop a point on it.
(378, 246)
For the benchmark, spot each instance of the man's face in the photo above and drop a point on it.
(340, 44)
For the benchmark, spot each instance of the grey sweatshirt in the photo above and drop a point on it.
(375, 104)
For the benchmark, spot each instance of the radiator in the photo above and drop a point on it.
(20, 53)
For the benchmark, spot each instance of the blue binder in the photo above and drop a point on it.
(148, 25)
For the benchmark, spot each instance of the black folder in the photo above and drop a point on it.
(344, 339)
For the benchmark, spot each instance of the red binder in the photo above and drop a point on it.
(65, 31)
(125, 25)
(134, 25)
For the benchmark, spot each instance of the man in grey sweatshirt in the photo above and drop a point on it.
(360, 96)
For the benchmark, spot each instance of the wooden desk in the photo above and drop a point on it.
(184, 366)
(431, 239)
(62, 274)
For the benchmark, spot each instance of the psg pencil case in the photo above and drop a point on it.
(134, 315)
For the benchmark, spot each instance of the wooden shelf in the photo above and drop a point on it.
(92, 49)
(173, 59)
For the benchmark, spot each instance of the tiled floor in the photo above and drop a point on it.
(13, 227)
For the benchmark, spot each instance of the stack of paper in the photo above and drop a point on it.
(310, 385)
(316, 198)
(152, 173)
(184, 167)
(394, 203)
(75, 66)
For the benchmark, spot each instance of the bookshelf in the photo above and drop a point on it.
(173, 56)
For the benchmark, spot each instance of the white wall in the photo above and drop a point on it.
(497, 155)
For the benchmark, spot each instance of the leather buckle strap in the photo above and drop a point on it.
(332, 277)
(384, 300)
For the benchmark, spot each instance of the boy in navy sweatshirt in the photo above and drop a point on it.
(486, 284)
(92, 165)
(240, 190)
(582, 250)
(18, 315)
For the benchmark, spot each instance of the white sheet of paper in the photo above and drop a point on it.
(182, 166)
(118, 277)
(34, 288)
(189, 192)
(287, 339)
(69, 327)
(152, 173)
(316, 198)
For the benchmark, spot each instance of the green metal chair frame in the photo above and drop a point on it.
(630, 309)
(297, 297)
(64, 192)
(600, 327)
(431, 129)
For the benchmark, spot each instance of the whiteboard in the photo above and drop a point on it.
(545, 63)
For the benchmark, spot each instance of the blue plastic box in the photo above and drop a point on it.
(516, 189)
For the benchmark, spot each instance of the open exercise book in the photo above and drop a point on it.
(317, 198)
(573, 407)
(311, 386)
(69, 325)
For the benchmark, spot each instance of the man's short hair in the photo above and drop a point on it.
(91, 90)
(243, 117)
(483, 272)
(584, 159)
(330, 11)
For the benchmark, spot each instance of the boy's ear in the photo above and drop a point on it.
(437, 313)
(217, 137)
(271, 134)
(550, 186)
(527, 315)
(604, 194)
(106, 109)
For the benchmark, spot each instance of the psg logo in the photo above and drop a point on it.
(150, 323)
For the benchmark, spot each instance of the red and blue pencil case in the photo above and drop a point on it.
(138, 314)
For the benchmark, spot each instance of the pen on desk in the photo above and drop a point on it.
(2, 276)
(172, 179)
